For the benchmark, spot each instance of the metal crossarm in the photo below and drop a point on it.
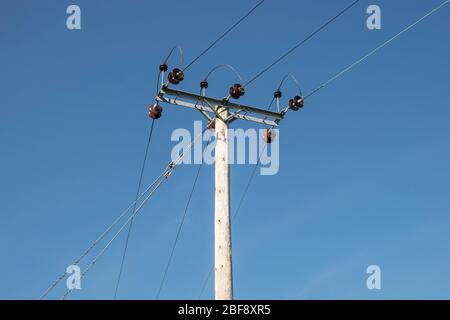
(207, 105)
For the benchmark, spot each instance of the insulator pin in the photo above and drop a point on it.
(163, 67)
(277, 94)
(204, 84)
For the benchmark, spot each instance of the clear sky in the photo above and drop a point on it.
(364, 168)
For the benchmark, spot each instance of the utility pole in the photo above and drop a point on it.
(220, 113)
(222, 222)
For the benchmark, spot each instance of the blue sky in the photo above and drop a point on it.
(364, 168)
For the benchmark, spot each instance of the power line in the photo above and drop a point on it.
(142, 174)
(156, 184)
(224, 34)
(106, 247)
(249, 182)
(301, 43)
(205, 282)
(233, 69)
(180, 227)
(166, 173)
(143, 169)
(375, 50)
(180, 50)
(134, 208)
(99, 239)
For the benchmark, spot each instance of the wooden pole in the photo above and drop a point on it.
(222, 225)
